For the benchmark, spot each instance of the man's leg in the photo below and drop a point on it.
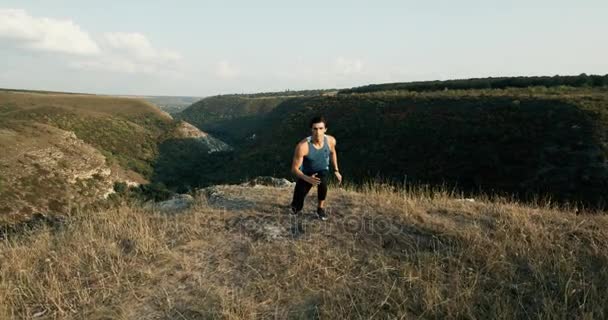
(322, 188)
(299, 193)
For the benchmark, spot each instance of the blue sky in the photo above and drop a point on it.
(202, 48)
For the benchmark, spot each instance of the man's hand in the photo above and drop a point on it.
(338, 176)
(314, 180)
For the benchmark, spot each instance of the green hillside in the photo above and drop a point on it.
(530, 142)
(62, 151)
(582, 80)
(46, 170)
(171, 104)
(234, 118)
(106, 123)
(231, 118)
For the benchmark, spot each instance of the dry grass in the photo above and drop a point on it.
(82, 103)
(382, 255)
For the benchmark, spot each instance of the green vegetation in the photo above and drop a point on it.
(386, 252)
(286, 93)
(179, 163)
(231, 118)
(145, 192)
(538, 141)
(171, 104)
(185, 164)
(126, 131)
(581, 80)
(61, 152)
(234, 118)
(529, 142)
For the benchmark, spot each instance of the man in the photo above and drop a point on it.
(311, 166)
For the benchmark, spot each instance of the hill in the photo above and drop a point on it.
(67, 150)
(104, 122)
(382, 255)
(171, 104)
(45, 169)
(529, 142)
(231, 118)
(582, 80)
(235, 117)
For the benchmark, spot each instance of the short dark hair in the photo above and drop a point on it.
(318, 119)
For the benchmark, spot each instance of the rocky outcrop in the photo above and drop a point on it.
(176, 204)
(64, 151)
(269, 181)
(185, 130)
(45, 170)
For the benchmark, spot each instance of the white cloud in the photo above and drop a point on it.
(115, 64)
(113, 51)
(344, 66)
(131, 53)
(44, 34)
(329, 72)
(137, 46)
(226, 70)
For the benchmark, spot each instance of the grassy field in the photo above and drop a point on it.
(382, 255)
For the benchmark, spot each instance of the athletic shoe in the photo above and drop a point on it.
(321, 214)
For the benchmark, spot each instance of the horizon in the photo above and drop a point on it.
(210, 48)
(259, 92)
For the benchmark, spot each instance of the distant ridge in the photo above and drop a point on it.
(582, 80)
(42, 91)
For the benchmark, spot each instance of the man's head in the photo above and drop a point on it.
(318, 126)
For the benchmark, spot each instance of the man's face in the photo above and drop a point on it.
(318, 129)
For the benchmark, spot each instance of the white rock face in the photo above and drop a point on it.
(214, 144)
(269, 181)
(47, 170)
(178, 203)
(188, 131)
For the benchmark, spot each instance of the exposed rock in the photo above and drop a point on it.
(187, 131)
(53, 150)
(111, 189)
(214, 144)
(178, 203)
(46, 169)
(211, 192)
(269, 181)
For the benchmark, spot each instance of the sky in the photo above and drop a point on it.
(202, 48)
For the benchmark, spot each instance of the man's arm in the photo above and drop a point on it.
(298, 158)
(334, 158)
(334, 154)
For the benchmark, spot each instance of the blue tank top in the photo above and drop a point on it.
(316, 159)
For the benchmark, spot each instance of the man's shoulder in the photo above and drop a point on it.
(302, 144)
(302, 147)
(331, 138)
